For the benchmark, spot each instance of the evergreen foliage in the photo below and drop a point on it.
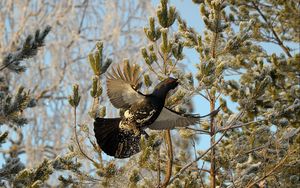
(28, 50)
(255, 144)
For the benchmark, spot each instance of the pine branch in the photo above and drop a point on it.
(74, 102)
(36, 177)
(170, 158)
(28, 50)
(270, 172)
(77, 141)
(11, 167)
(213, 152)
(3, 137)
(209, 149)
(279, 42)
(11, 108)
(200, 175)
(239, 125)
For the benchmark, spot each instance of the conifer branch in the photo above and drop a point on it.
(170, 158)
(212, 142)
(201, 177)
(240, 125)
(77, 140)
(28, 50)
(74, 102)
(206, 151)
(271, 172)
(215, 32)
(279, 41)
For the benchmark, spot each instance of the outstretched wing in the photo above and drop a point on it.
(122, 85)
(168, 119)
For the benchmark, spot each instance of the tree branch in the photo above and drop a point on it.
(270, 172)
(280, 43)
(199, 157)
(77, 140)
(170, 158)
(203, 154)
(212, 142)
(238, 126)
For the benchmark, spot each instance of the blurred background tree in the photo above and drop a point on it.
(254, 140)
(76, 26)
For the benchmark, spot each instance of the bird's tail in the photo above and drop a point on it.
(115, 141)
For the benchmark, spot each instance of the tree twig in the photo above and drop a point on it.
(198, 130)
(201, 181)
(270, 172)
(203, 154)
(280, 43)
(77, 140)
(170, 158)
(212, 142)
(239, 126)
(158, 168)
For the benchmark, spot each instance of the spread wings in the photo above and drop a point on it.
(169, 119)
(122, 85)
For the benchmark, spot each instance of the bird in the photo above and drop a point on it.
(120, 137)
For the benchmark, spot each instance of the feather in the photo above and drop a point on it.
(121, 86)
(169, 119)
(114, 141)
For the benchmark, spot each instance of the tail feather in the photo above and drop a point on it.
(114, 141)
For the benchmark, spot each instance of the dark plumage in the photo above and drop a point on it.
(113, 141)
(119, 137)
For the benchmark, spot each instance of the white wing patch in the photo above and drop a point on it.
(128, 115)
(141, 121)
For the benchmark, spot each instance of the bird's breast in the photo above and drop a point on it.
(142, 114)
(145, 116)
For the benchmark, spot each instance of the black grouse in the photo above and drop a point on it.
(120, 137)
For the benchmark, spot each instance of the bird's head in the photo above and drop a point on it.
(162, 89)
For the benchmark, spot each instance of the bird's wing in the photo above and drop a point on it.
(122, 85)
(169, 119)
